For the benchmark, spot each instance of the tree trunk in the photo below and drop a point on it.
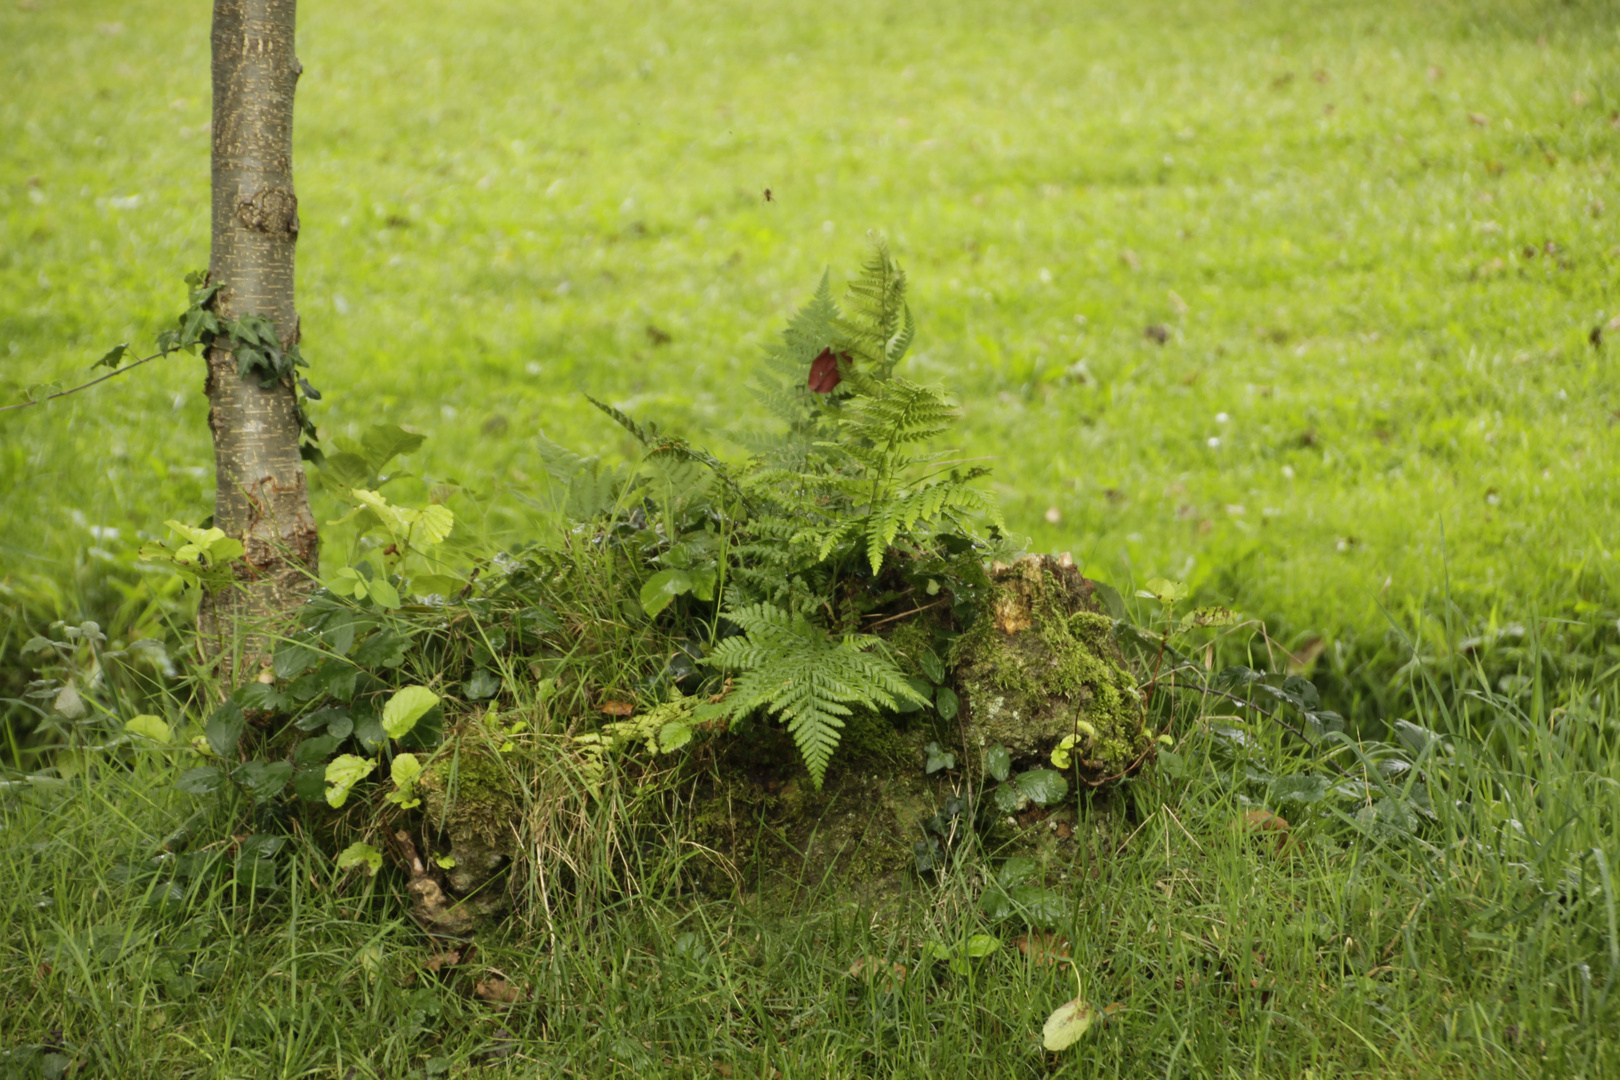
(261, 496)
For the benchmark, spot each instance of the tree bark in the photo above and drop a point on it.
(261, 495)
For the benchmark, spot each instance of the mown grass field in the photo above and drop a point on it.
(1375, 239)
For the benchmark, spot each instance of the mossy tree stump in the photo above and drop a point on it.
(1040, 663)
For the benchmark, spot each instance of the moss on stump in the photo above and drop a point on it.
(1039, 662)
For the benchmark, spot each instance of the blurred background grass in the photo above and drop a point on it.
(1375, 240)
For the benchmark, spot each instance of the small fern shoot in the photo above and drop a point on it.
(795, 669)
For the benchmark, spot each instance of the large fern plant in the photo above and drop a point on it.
(845, 487)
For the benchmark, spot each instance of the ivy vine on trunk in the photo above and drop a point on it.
(261, 494)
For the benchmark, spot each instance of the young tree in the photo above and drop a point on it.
(261, 494)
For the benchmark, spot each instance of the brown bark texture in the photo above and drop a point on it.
(261, 495)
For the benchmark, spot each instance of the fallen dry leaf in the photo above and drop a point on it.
(1264, 821)
(498, 991)
(1043, 950)
(1479, 119)
(617, 708)
(887, 975)
(438, 961)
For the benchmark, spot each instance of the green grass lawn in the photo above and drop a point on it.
(1378, 236)
(1375, 239)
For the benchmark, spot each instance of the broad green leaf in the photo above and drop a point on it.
(1042, 786)
(342, 773)
(359, 854)
(662, 588)
(703, 584)
(435, 585)
(147, 726)
(69, 704)
(995, 903)
(315, 751)
(225, 549)
(346, 581)
(405, 708)
(981, 945)
(432, 526)
(1067, 1024)
(383, 593)
(383, 442)
(309, 784)
(998, 762)
(202, 538)
(931, 666)
(346, 471)
(946, 703)
(405, 769)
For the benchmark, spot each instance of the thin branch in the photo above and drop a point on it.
(132, 365)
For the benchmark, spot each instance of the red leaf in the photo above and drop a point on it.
(824, 374)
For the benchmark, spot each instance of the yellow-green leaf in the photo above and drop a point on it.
(361, 855)
(147, 726)
(1067, 1024)
(433, 525)
(342, 773)
(405, 708)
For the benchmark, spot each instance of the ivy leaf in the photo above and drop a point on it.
(342, 773)
(314, 751)
(1300, 789)
(405, 708)
(483, 684)
(203, 780)
(1016, 871)
(264, 779)
(359, 854)
(224, 730)
(938, 758)
(1041, 906)
(114, 356)
(1007, 798)
(998, 762)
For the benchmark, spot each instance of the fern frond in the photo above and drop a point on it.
(794, 669)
